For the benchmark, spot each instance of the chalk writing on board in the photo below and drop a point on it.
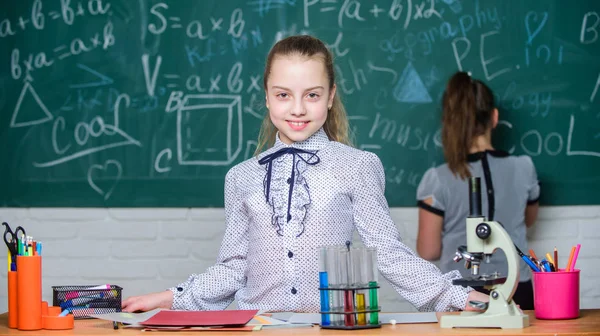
(589, 28)
(196, 114)
(538, 103)
(535, 143)
(77, 46)
(534, 23)
(461, 47)
(195, 28)
(250, 149)
(41, 116)
(84, 133)
(37, 18)
(386, 130)
(99, 80)
(410, 87)
(108, 94)
(110, 171)
(595, 90)
(582, 152)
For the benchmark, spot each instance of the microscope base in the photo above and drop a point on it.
(485, 320)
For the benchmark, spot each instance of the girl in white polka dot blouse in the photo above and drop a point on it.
(306, 188)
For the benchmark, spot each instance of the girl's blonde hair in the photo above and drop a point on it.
(336, 126)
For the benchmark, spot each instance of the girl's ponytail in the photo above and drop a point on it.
(467, 110)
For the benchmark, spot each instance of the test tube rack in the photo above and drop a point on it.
(357, 317)
(348, 287)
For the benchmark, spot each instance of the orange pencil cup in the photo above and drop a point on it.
(29, 292)
(556, 295)
(12, 299)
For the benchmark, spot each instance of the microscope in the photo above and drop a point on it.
(483, 238)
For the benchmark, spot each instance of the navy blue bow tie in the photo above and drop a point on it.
(313, 159)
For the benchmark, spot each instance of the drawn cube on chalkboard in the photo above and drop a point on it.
(209, 130)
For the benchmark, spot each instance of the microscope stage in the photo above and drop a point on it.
(480, 281)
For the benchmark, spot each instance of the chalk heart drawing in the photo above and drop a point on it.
(111, 170)
(532, 18)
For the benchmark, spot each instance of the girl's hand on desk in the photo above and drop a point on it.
(476, 296)
(148, 302)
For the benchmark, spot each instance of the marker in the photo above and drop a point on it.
(104, 304)
(85, 299)
(575, 257)
(532, 254)
(527, 260)
(86, 312)
(568, 268)
(75, 294)
(546, 265)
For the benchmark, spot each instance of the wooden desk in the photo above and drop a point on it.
(587, 324)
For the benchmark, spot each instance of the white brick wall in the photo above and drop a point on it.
(147, 250)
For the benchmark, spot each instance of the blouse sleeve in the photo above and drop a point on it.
(215, 288)
(430, 187)
(417, 280)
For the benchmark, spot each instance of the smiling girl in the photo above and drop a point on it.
(305, 188)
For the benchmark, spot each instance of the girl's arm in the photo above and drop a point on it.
(531, 213)
(215, 289)
(417, 280)
(429, 238)
(533, 204)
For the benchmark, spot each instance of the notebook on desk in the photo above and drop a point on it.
(181, 318)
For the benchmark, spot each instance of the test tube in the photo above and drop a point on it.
(324, 283)
(360, 277)
(335, 303)
(373, 275)
(345, 270)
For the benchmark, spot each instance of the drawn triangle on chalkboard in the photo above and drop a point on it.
(410, 87)
(104, 80)
(34, 115)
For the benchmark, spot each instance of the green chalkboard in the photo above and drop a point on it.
(143, 103)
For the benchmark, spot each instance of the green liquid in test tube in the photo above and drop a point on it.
(373, 301)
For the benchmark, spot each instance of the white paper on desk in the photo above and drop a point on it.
(266, 321)
(305, 318)
(129, 318)
(277, 320)
(429, 317)
(283, 316)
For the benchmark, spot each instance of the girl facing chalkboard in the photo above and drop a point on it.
(512, 189)
(305, 188)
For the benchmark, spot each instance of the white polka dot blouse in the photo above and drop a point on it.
(284, 204)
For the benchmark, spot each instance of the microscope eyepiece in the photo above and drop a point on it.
(475, 197)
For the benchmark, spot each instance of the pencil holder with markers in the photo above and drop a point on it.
(349, 288)
(26, 310)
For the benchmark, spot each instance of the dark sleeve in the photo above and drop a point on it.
(430, 186)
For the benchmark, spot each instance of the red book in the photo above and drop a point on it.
(184, 318)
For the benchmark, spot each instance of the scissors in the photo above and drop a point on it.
(11, 238)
